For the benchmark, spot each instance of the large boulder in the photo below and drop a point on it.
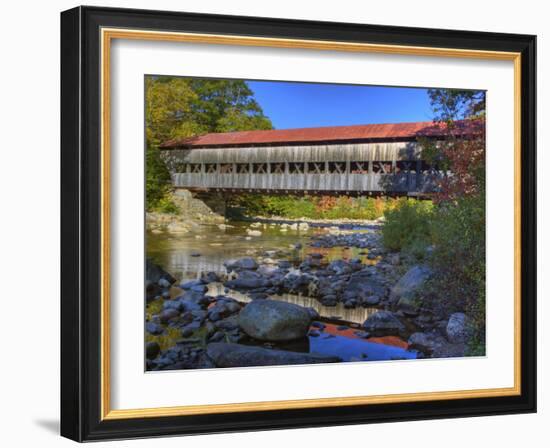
(458, 328)
(383, 323)
(426, 342)
(271, 320)
(238, 355)
(407, 292)
(154, 273)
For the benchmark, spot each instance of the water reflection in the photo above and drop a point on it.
(351, 349)
(187, 256)
(338, 312)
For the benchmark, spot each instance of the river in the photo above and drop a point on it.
(187, 256)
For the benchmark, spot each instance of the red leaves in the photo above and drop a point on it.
(466, 160)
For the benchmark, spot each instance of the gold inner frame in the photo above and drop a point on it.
(107, 35)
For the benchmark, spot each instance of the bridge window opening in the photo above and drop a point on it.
(359, 167)
(337, 167)
(210, 167)
(243, 168)
(277, 168)
(195, 167)
(259, 168)
(226, 168)
(383, 167)
(296, 168)
(316, 167)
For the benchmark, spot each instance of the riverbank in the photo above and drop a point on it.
(186, 214)
(361, 301)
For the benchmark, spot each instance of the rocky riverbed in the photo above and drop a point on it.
(302, 293)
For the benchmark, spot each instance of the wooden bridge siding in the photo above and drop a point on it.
(401, 182)
(369, 153)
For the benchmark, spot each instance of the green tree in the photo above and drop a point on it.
(454, 104)
(178, 107)
(168, 109)
(226, 106)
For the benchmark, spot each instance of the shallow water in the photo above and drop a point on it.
(177, 253)
(188, 256)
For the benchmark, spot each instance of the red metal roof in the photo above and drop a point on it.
(329, 134)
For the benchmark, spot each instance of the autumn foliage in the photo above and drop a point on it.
(466, 159)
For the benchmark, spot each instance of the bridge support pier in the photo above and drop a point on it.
(215, 200)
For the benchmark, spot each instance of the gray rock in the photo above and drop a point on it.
(153, 273)
(313, 313)
(271, 320)
(228, 324)
(361, 286)
(153, 328)
(246, 263)
(426, 342)
(152, 291)
(458, 328)
(187, 331)
(339, 267)
(164, 283)
(210, 277)
(370, 301)
(299, 282)
(168, 314)
(190, 284)
(383, 323)
(172, 304)
(247, 280)
(238, 355)
(407, 292)
(217, 336)
(284, 264)
(202, 289)
(183, 304)
(188, 301)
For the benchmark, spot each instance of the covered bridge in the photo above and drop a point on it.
(360, 159)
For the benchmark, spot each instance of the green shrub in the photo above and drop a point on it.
(157, 179)
(166, 205)
(458, 233)
(408, 224)
(456, 230)
(312, 207)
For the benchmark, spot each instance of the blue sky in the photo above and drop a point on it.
(297, 105)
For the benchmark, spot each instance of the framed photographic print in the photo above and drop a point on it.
(275, 224)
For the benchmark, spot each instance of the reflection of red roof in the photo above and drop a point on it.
(329, 134)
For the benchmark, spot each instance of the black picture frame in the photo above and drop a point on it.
(81, 224)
